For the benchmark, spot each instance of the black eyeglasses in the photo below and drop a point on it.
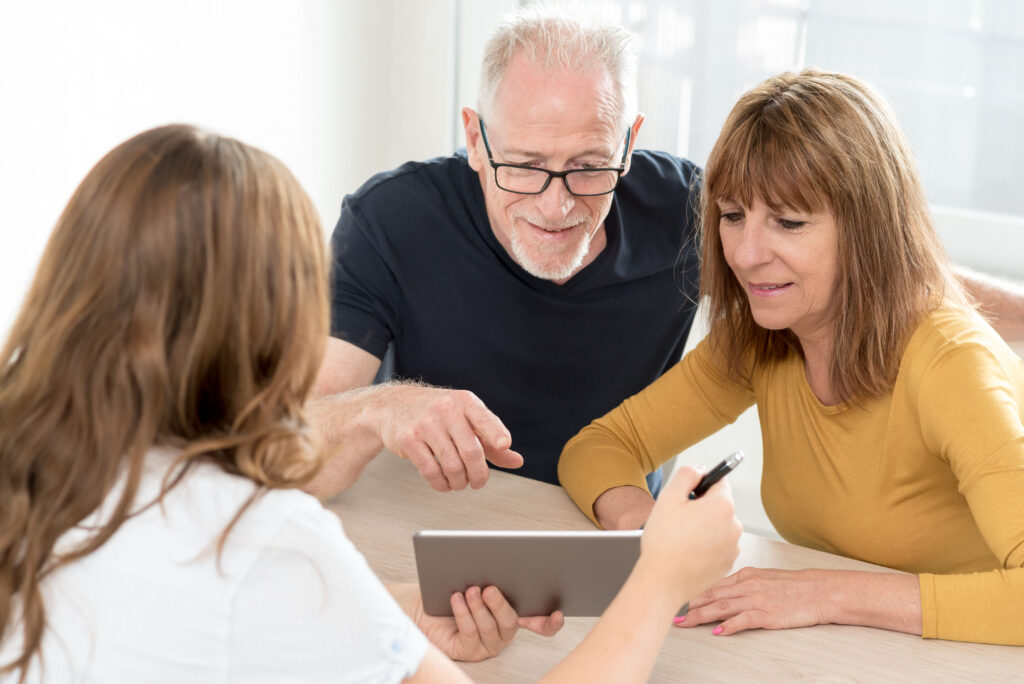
(532, 180)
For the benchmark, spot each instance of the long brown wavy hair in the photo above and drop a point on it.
(817, 141)
(180, 301)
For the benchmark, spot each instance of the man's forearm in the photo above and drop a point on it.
(349, 437)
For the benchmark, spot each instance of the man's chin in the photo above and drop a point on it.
(550, 269)
(549, 262)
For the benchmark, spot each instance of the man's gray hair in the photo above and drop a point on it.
(554, 37)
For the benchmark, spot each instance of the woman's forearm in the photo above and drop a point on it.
(625, 643)
(623, 508)
(887, 600)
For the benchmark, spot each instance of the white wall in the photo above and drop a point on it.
(987, 242)
(337, 89)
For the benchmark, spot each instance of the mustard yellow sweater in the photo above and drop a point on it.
(928, 479)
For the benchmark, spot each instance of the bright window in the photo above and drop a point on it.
(952, 69)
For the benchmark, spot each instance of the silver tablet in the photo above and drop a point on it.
(578, 573)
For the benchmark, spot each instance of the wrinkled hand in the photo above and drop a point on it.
(755, 598)
(484, 624)
(447, 434)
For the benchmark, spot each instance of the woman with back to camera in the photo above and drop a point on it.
(891, 412)
(152, 440)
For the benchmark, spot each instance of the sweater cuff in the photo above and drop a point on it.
(929, 614)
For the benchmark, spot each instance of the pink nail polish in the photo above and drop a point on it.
(679, 620)
(717, 630)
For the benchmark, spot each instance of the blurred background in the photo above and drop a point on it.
(341, 89)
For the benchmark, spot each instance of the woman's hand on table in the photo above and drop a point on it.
(484, 622)
(755, 598)
(758, 598)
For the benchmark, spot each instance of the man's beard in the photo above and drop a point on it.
(572, 256)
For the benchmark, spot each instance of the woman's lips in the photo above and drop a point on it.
(768, 289)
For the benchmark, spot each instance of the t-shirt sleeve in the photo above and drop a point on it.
(364, 290)
(692, 400)
(312, 610)
(970, 407)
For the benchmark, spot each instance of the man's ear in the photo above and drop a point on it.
(474, 146)
(634, 133)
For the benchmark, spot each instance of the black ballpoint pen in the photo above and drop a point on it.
(716, 474)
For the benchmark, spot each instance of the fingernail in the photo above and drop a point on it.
(717, 630)
(680, 620)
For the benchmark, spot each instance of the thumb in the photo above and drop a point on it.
(544, 625)
(503, 458)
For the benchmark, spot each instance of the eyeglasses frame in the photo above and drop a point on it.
(554, 174)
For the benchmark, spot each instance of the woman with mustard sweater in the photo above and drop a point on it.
(891, 412)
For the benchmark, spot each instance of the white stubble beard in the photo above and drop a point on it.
(560, 270)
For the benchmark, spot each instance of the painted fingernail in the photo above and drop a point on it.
(717, 630)
(680, 620)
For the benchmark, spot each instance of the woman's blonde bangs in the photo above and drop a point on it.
(760, 158)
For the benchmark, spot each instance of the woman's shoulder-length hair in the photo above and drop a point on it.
(818, 141)
(182, 301)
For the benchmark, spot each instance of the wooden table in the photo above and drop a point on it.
(391, 502)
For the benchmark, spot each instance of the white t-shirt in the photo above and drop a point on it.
(291, 601)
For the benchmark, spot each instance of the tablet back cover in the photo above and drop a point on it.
(578, 573)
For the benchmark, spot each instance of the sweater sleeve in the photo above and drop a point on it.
(970, 406)
(692, 400)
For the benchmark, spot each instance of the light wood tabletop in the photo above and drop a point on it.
(390, 502)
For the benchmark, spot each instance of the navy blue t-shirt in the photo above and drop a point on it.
(417, 267)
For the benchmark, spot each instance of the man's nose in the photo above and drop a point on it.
(556, 201)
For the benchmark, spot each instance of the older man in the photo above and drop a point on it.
(511, 272)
